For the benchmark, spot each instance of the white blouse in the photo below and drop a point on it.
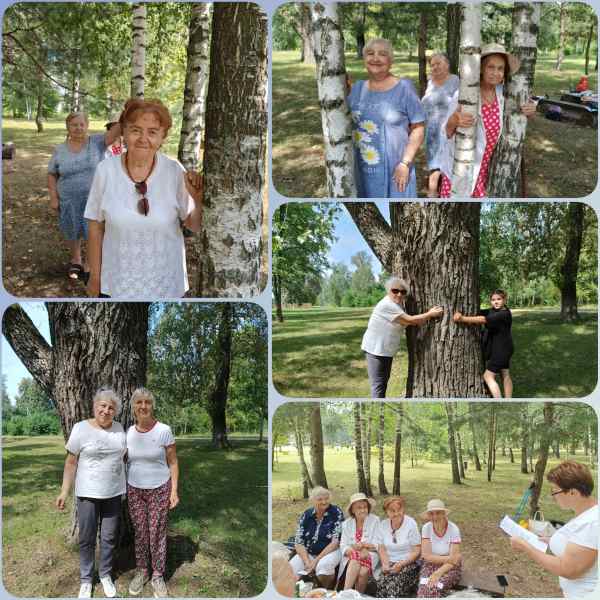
(382, 337)
(370, 535)
(407, 536)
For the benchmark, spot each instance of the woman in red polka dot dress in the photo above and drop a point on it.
(496, 65)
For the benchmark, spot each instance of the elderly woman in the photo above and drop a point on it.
(381, 340)
(152, 479)
(388, 122)
(441, 567)
(136, 208)
(360, 542)
(70, 173)
(283, 576)
(496, 66)
(574, 546)
(399, 550)
(318, 538)
(441, 88)
(95, 453)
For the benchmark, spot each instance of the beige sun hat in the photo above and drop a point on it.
(357, 497)
(435, 504)
(113, 118)
(513, 62)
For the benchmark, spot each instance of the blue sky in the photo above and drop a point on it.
(12, 368)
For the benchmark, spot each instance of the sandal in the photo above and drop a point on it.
(75, 271)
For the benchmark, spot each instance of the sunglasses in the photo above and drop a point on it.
(143, 204)
(557, 492)
(396, 292)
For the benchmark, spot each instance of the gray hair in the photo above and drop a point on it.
(394, 282)
(109, 395)
(440, 55)
(382, 42)
(75, 114)
(142, 392)
(319, 491)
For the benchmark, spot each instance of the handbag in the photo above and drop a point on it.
(540, 526)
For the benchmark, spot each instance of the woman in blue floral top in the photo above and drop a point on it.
(318, 539)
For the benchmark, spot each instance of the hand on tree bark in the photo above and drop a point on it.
(435, 311)
(194, 185)
(528, 109)
(457, 317)
(461, 119)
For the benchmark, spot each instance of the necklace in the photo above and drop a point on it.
(141, 187)
(129, 172)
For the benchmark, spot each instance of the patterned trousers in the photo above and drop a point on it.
(399, 585)
(149, 511)
(448, 581)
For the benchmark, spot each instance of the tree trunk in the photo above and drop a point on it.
(335, 114)
(138, 50)
(304, 474)
(398, 449)
(307, 52)
(422, 52)
(505, 170)
(461, 462)
(524, 438)
(588, 44)
(452, 443)
(317, 450)
(540, 465)
(561, 37)
(472, 427)
(453, 18)
(365, 422)
(468, 99)
(277, 297)
(511, 455)
(380, 446)
(234, 153)
(570, 266)
(196, 79)
(435, 247)
(358, 453)
(360, 31)
(39, 117)
(491, 441)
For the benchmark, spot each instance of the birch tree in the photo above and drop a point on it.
(358, 452)
(562, 25)
(468, 99)
(398, 449)
(138, 50)
(505, 170)
(331, 85)
(452, 442)
(228, 248)
(196, 80)
(380, 447)
(307, 52)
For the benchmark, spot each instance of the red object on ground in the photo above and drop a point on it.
(582, 86)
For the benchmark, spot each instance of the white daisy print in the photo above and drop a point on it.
(355, 115)
(369, 126)
(361, 137)
(369, 155)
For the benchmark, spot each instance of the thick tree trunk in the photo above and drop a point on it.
(218, 395)
(335, 114)
(468, 99)
(317, 451)
(422, 53)
(435, 247)
(358, 452)
(453, 14)
(196, 79)
(505, 170)
(588, 44)
(380, 446)
(138, 50)
(561, 36)
(304, 474)
(476, 460)
(570, 266)
(398, 450)
(540, 465)
(307, 52)
(452, 443)
(234, 153)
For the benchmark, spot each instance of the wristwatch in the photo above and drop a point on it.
(406, 163)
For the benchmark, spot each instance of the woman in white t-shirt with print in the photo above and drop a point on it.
(399, 550)
(574, 546)
(440, 550)
(381, 340)
(95, 461)
(152, 479)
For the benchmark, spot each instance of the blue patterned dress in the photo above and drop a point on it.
(315, 535)
(381, 127)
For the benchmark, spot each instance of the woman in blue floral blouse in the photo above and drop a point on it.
(318, 539)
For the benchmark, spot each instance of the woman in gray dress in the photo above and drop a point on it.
(70, 173)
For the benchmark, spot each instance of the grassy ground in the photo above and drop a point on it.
(561, 158)
(316, 353)
(217, 544)
(477, 507)
(34, 255)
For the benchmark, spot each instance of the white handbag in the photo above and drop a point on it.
(540, 526)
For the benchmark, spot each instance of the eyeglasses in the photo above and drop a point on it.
(143, 204)
(396, 292)
(557, 492)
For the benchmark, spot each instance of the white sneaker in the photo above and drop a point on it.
(110, 591)
(85, 591)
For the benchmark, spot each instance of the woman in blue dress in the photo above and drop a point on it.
(388, 127)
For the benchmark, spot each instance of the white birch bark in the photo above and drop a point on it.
(468, 99)
(196, 80)
(335, 114)
(505, 170)
(138, 50)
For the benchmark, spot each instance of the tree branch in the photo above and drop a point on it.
(30, 346)
(374, 228)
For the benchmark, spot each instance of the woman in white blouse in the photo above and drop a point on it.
(399, 550)
(359, 543)
(135, 211)
(381, 340)
(574, 546)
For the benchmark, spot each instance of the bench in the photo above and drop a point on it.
(571, 111)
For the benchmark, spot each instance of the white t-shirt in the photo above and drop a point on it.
(142, 256)
(100, 466)
(441, 545)
(583, 530)
(147, 466)
(407, 536)
(382, 336)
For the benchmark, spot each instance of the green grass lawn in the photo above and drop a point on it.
(561, 158)
(217, 544)
(477, 507)
(316, 354)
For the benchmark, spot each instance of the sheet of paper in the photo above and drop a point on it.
(515, 530)
(425, 581)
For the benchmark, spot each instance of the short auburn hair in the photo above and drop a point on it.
(571, 475)
(393, 500)
(135, 107)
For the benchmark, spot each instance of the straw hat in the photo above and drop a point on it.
(356, 498)
(435, 504)
(513, 62)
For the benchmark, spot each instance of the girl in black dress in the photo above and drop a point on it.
(498, 346)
